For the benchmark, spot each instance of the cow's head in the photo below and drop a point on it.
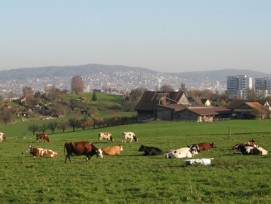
(29, 149)
(212, 145)
(135, 138)
(111, 138)
(194, 150)
(142, 148)
(251, 143)
(99, 153)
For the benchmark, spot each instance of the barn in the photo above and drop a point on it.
(176, 106)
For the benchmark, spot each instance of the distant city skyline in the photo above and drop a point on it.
(166, 36)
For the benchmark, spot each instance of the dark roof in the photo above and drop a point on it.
(150, 99)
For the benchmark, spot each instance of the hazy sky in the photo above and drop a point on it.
(163, 35)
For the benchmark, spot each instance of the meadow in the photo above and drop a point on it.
(133, 178)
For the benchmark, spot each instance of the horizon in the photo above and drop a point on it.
(173, 36)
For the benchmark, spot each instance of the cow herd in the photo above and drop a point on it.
(88, 149)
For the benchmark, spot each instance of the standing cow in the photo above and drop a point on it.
(113, 150)
(129, 135)
(81, 148)
(2, 137)
(105, 136)
(42, 137)
(150, 151)
(41, 152)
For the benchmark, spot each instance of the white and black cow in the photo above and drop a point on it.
(105, 136)
(246, 149)
(129, 136)
(150, 151)
(182, 152)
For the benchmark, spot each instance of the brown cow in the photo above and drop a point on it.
(42, 137)
(203, 146)
(113, 150)
(40, 152)
(81, 148)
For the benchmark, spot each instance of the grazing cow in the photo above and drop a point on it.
(106, 136)
(203, 146)
(250, 149)
(81, 148)
(2, 137)
(42, 137)
(112, 150)
(182, 152)
(150, 151)
(129, 135)
(40, 152)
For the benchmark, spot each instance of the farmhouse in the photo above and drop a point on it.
(251, 110)
(176, 106)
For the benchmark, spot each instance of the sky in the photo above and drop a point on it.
(161, 35)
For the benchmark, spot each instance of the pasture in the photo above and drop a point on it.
(133, 178)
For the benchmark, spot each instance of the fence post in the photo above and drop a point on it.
(229, 131)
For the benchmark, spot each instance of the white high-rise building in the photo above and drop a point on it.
(237, 86)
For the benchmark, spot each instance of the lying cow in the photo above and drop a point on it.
(41, 152)
(203, 146)
(42, 137)
(246, 149)
(81, 148)
(150, 151)
(129, 135)
(112, 150)
(182, 152)
(105, 136)
(2, 137)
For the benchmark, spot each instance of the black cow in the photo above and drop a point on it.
(150, 151)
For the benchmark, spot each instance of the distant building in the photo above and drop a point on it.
(263, 86)
(237, 86)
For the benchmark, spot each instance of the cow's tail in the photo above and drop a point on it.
(65, 149)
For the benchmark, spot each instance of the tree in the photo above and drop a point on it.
(77, 85)
(27, 91)
(52, 126)
(6, 115)
(166, 88)
(133, 98)
(33, 128)
(74, 123)
(63, 126)
(43, 128)
(94, 97)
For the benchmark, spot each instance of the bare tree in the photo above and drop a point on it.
(166, 88)
(77, 84)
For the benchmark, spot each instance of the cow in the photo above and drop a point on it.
(129, 135)
(41, 152)
(246, 149)
(150, 151)
(81, 148)
(251, 142)
(182, 152)
(113, 150)
(106, 136)
(2, 137)
(42, 137)
(203, 146)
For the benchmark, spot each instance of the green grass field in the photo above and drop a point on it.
(133, 178)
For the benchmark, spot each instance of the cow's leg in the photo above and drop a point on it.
(67, 156)
(88, 158)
